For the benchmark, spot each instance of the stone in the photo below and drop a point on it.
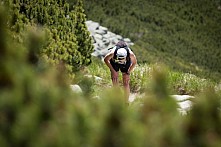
(181, 98)
(76, 88)
(103, 39)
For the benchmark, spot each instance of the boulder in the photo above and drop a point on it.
(103, 39)
(76, 88)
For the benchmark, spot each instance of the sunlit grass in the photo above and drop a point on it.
(178, 82)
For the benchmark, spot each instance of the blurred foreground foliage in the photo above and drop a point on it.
(37, 108)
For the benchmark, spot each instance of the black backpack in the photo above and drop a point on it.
(126, 48)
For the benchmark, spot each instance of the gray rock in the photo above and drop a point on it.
(76, 88)
(127, 40)
(101, 32)
(185, 105)
(92, 26)
(181, 98)
(96, 78)
(103, 39)
(183, 101)
(98, 37)
(103, 28)
(119, 37)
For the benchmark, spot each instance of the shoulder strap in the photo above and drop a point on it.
(115, 52)
(128, 52)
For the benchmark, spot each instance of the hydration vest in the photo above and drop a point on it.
(117, 59)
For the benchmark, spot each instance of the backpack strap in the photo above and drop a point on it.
(115, 52)
(128, 53)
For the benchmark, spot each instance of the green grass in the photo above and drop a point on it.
(141, 77)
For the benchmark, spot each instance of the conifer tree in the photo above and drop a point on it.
(67, 44)
(83, 35)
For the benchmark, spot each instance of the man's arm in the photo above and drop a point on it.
(133, 62)
(107, 60)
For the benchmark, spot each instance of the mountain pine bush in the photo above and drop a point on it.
(68, 41)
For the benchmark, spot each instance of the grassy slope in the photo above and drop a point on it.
(142, 78)
(182, 34)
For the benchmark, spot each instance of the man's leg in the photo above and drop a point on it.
(114, 73)
(114, 77)
(126, 80)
